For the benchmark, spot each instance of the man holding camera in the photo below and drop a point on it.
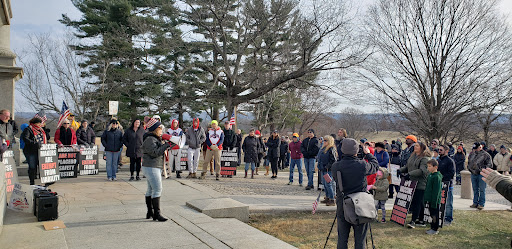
(353, 172)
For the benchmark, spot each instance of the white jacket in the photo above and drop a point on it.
(502, 162)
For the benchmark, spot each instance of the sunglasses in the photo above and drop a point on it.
(66, 123)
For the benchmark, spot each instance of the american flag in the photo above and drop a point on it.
(315, 204)
(232, 120)
(41, 115)
(64, 114)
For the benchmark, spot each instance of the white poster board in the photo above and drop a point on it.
(113, 107)
(22, 198)
(395, 180)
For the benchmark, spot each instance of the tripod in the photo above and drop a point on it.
(334, 221)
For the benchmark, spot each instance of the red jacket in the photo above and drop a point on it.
(371, 179)
(295, 151)
(57, 137)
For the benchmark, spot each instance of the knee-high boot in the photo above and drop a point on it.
(156, 209)
(32, 176)
(149, 214)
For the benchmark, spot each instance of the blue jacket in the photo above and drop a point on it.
(326, 159)
(112, 140)
(383, 158)
(22, 142)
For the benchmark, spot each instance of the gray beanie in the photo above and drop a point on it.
(349, 146)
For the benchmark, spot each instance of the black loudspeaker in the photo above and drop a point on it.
(46, 205)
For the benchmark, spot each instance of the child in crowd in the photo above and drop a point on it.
(433, 194)
(381, 191)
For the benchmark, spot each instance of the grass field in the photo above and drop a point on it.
(471, 229)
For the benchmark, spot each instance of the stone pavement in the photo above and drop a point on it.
(102, 214)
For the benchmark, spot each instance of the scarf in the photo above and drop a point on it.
(65, 136)
(39, 134)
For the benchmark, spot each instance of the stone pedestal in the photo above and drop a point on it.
(221, 208)
(466, 190)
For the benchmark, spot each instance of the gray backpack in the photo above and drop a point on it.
(359, 207)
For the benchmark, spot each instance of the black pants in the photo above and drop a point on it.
(273, 164)
(135, 164)
(395, 187)
(282, 161)
(417, 205)
(344, 231)
(434, 213)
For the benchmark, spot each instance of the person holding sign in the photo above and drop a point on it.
(112, 140)
(175, 153)
(65, 135)
(447, 170)
(416, 170)
(33, 136)
(153, 149)
(85, 134)
(433, 194)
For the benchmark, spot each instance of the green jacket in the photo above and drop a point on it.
(417, 168)
(433, 189)
(382, 186)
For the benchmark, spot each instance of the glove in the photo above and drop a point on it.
(166, 137)
(8, 142)
(398, 172)
(406, 175)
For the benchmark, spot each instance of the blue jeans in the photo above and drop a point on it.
(448, 216)
(253, 166)
(329, 192)
(309, 164)
(112, 159)
(478, 189)
(154, 179)
(297, 162)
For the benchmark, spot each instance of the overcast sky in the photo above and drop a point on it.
(41, 16)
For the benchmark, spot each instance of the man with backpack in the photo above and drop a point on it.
(350, 176)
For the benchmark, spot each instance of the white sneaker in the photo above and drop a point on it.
(114, 179)
(431, 232)
(109, 179)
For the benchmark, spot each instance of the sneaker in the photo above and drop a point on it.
(421, 224)
(300, 184)
(383, 220)
(431, 232)
(137, 178)
(480, 207)
(131, 178)
(109, 179)
(309, 187)
(290, 183)
(473, 206)
(114, 179)
(411, 224)
(217, 177)
(447, 223)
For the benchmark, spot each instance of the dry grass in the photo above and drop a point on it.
(471, 229)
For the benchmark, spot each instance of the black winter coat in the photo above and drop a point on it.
(250, 147)
(353, 173)
(273, 147)
(309, 147)
(238, 143)
(112, 140)
(133, 141)
(283, 149)
(31, 145)
(85, 136)
(395, 158)
(459, 159)
(326, 159)
(446, 168)
(229, 139)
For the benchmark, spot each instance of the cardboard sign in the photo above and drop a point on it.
(53, 225)
(11, 172)
(442, 206)
(403, 201)
(89, 160)
(113, 107)
(68, 161)
(22, 198)
(184, 158)
(48, 163)
(395, 180)
(228, 162)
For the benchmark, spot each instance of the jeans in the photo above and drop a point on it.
(478, 189)
(112, 159)
(297, 162)
(448, 216)
(329, 192)
(154, 179)
(33, 163)
(193, 159)
(344, 231)
(382, 206)
(253, 166)
(309, 164)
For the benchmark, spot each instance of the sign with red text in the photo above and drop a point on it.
(403, 201)
(11, 173)
(48, 168)
(89, 160)
(68, 161)
(442, 206)
(228, 162)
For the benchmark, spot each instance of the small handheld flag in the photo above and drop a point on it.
(315, 204)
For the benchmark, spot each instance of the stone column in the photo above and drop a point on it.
(466, 190)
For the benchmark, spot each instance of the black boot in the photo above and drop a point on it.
(150, 207)
(178, 174)
(156, 209)
(32, 176)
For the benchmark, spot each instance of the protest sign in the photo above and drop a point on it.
(89, 160)
(403, 201)
(68, 161)
(395, 179)
(11, 172)
(22, 198)
(184, 158)
(48, 163)
(229, 162)
(442, 206)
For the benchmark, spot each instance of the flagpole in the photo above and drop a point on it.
(236, 123)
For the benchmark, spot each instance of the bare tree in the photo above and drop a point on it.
(436, 61)
(52, 74)
(354, 121)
